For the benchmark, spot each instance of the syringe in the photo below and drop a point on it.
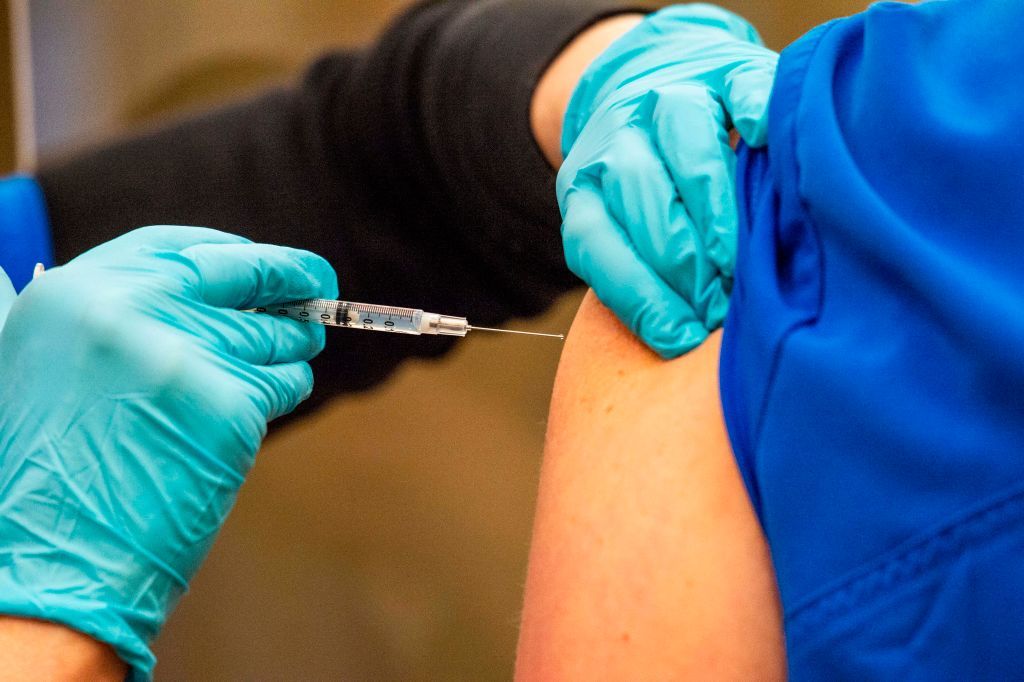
(380, 318)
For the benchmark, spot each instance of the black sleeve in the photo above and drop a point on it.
(410, 166)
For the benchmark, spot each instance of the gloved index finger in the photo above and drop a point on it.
(162, 237)
(247, 275)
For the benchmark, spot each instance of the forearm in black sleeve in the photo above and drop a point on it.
(410, 166)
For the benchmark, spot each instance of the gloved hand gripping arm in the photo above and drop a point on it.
(135, 395)
(647, 188)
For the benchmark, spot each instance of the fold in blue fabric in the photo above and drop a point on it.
(24, 229)
(872, 368)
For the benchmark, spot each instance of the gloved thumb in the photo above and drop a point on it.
(7, 296)
(746, 94)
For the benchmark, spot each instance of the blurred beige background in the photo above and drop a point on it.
(400, 557)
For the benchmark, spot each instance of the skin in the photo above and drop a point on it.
(555, 87)
(647, 560)
(37, 650)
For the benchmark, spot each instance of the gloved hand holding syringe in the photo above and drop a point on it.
(380, 318)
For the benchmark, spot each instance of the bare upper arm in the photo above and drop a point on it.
(647, 560)
(39, 650)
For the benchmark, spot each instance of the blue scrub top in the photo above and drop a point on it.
(872, 368)
(24, 229)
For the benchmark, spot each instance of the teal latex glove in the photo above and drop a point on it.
(7, 296)
(647, 187)
(135, 395)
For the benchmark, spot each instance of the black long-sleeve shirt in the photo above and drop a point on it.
(409, 165)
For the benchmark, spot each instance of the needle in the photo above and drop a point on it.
(513, 331)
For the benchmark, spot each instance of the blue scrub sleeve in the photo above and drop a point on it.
(24, 229)
(872, 368)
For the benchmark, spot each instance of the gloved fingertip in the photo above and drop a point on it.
(318, 339)
(294, 386)
(329, 284)
(321, 273)
(678, 347)
(309, 382)
(672, 336)
(746, 97)
(753, 129)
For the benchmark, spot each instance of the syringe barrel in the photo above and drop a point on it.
(445, 325)
(369, 316)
